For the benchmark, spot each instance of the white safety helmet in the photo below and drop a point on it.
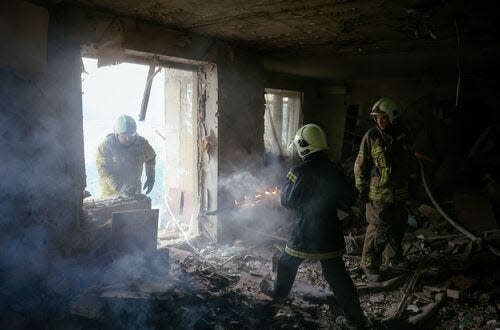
(125, 125)
(386, 107)
(309, 139)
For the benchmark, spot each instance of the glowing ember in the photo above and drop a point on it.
(258, 198)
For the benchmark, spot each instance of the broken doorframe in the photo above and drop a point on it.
(208, 149)
(206, 164)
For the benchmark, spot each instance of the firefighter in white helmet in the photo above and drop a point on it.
(314, 190)
(120, 160)
(382, 173)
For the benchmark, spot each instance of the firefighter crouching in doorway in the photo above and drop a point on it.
(120, 159)
(382, 172)
(314, 190)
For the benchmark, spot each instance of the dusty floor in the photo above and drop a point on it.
(204, 285)
(308, 304)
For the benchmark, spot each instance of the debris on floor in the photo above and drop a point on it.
(450, 282)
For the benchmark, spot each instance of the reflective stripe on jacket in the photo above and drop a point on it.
(382, 169)
(118, 164)
(314, 256)
(314, 190)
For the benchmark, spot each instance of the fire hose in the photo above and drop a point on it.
(446, 216)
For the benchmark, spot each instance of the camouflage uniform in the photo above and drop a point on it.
(118, 164)
(382, 172)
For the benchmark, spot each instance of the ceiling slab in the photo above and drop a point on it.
(320, 27)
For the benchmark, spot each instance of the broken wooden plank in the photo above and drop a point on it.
(102, 209)
(408, 289)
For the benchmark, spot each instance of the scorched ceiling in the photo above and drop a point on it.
(320, 27)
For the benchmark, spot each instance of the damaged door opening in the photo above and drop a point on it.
(171, 127)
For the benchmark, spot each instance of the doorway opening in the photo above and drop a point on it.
(170, 126)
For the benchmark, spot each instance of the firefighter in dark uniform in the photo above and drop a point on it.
(314, 190)
(382, 172)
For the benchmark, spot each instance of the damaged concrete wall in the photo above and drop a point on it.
(26, 49)
(361, 94)
(241, 84)
(439, 130)
(114, 35)
(240, 99)
(241, 130)
(438, 91)
(406, 76)
(330, 113)
(405, 91)
(42, 161)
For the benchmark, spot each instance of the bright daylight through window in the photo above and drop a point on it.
(169, 127)
(281, 120)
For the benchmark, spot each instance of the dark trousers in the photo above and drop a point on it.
(335, 274)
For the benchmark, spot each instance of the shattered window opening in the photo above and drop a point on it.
(281, 120)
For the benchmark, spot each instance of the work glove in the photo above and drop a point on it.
(127, 190)
(150, 182)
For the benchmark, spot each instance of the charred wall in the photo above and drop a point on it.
(456, 133)
(241, 128)
(408, 77)
(45, 141)
(42, 166)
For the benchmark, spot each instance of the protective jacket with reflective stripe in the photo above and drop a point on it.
(382, 167)
(314, 190)
(118, 164)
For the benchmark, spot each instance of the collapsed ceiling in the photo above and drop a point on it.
(319, 27)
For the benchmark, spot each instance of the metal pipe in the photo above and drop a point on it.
(464, 231)
(147, 91)
(438, 207)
